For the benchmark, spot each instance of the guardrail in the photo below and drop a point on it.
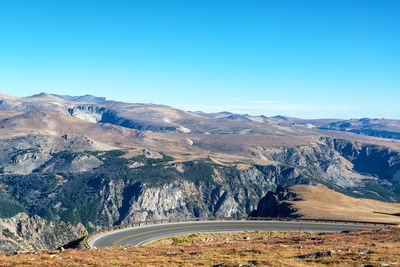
(89, 237)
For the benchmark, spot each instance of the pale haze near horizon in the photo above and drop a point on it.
(310, 59)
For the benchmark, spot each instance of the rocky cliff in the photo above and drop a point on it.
(24, 233)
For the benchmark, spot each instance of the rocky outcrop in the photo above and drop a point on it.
(106, 114)
(319, 159)
(276, 204)
(71, 163)
(88, 112)
(24, 233)
(375, 160)
(26, 154)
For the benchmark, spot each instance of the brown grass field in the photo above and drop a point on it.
(370, 248)
(322, 203)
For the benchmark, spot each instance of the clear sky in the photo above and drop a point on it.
(322, 58)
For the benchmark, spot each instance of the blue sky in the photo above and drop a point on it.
(331, 58)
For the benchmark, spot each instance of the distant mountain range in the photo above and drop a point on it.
(85, 98)
(159, 118)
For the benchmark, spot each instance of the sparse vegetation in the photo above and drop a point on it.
(372, 190)
(7, 233)
(9, 208)
(368, 248)
(178, 240)
(198, 171)
(20, 152)
(151, 161)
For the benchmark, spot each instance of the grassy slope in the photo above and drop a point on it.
(323, 203)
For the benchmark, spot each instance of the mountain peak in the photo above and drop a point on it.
(42, 94)
(85, 98)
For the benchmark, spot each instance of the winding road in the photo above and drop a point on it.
(138, 236)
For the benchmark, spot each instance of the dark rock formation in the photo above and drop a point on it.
(316, 255)
(274, 204)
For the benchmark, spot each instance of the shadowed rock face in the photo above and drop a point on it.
(274, 204)
(375, 160)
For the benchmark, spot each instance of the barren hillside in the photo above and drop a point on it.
(319, 202)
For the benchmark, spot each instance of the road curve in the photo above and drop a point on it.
(138, 236)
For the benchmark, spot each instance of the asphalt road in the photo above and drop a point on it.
(140, 235)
